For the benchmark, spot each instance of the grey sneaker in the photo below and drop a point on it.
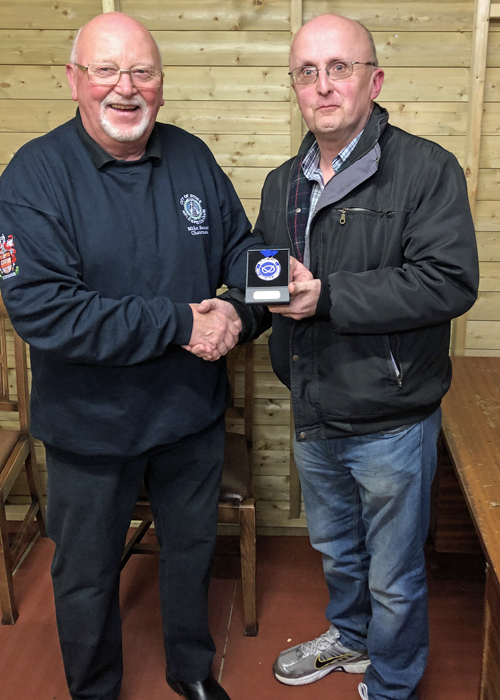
(311, 661)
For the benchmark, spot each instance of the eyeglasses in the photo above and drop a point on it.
(104, 74)
(336, 70)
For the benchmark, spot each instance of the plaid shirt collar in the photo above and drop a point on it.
(310, 164)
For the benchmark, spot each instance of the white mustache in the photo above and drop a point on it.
(137, 101)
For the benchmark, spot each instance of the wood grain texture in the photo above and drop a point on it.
(471, 424)
(487, 216)
(489, 276)
(486, 308)
(400, 16)
(48, 14)
(210, 14)
(483, 334)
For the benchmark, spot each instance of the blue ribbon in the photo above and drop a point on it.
(268, 253)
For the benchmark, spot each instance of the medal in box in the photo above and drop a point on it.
(268, 275)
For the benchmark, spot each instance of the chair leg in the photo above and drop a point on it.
(248, 564)
(135, 539)
(7, 600)
(33, 476)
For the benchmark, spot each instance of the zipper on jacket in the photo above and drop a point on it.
(397, 369)
(344, 211)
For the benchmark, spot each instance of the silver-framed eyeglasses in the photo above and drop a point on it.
(106, 74)
(336, 70)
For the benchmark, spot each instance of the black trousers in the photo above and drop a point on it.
(90, 503)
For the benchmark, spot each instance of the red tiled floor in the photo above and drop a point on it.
(291, 602)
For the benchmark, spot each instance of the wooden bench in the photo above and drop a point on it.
(471, 433)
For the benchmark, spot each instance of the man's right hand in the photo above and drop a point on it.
(214, 331)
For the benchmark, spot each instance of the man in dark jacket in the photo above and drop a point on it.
(380, 222)
(121, 226)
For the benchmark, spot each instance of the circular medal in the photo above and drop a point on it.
(267, 269)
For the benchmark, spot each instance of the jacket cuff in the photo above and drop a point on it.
(184, 316)
(245, 316)
(324, 303)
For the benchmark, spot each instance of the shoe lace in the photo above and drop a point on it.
(325, 641)
(363, 691)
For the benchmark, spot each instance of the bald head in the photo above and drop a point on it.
(339, 55)
(119, 115)
(111, 23)
(326, 27)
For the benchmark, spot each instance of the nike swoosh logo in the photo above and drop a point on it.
(326, 662)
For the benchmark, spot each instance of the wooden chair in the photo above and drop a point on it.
(236, 504)
(16, 451)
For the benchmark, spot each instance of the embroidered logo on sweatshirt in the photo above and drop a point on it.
(192, 209)
(8, 267)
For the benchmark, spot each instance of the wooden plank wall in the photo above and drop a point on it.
(226, 80)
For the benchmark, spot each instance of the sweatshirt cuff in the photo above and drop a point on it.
(184, 316)
(324, 303)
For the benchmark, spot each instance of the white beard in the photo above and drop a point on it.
(125, 133)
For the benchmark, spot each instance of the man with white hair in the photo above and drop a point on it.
(121, 227)
(380, 219)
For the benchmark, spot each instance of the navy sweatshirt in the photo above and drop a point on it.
(100, 259)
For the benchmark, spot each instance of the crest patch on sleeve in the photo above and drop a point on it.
(8, 267)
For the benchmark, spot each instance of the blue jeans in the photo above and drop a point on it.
(367, 501)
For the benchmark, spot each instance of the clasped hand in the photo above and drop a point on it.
(216, 329)
(217, 326)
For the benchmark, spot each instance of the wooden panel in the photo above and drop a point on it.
(489, 182)
(224, 48)
(426, 118)
(488, 216)
(471, 420)
(483, 334)
(200, 117)
(262, 151)
(491, 118)
(406, 15)
(276, 437)
(275, 462)
(27, 47)
(489, 276)
(276, 513)
(266, 386)
(210, 14)
(482, 352)
(231, 118)
(248, 183)
(272, 412)
(429, 49)
(48, 14)
(489, 156)
(488, 246)
(272, 488)
(36, 116)
(486, 308)
(10, 143)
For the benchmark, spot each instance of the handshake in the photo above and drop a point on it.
(217, 326)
